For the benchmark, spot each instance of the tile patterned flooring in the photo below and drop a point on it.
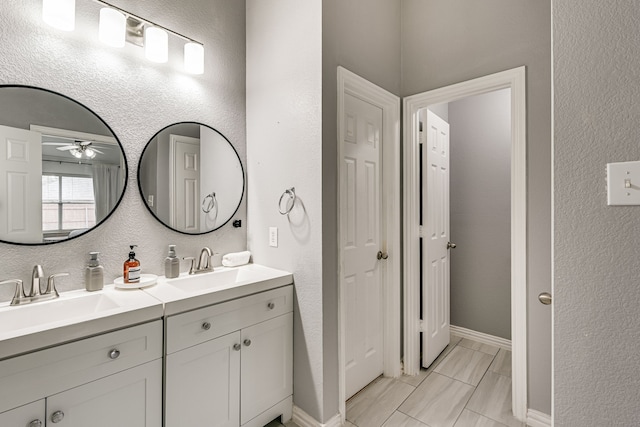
(468, 385)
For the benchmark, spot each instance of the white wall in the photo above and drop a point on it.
(284, 150)
(480, 199)
(136, 98)
(596, 250)
(449, 41)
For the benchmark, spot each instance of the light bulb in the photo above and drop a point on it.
(194, 58)
(76, 153)
(60, 14)
(113, 25)
(89, 152)
(156, 44)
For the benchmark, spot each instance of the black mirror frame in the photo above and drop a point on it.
(144, 201)
(126, 166)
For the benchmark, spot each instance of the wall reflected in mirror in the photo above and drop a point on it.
(63, 170)
(191, 178)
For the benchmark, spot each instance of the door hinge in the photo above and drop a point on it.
(420, 231)
(421, 325)
(420, 127)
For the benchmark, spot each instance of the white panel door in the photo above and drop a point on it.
(185, 179)
(266, 366)
(20, 185)
(435, 237)
(360, 216)
(24, 416)
(131, 398)
(203, 384)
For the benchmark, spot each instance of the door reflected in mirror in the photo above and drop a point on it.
(191, 178)
(63, 169)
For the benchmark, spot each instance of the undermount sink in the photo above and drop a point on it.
(205, 281)
(16, 318)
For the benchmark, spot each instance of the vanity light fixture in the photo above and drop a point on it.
(60, 14)
(113, 27)
(118, 26)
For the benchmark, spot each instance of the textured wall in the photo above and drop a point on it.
(596, 288)
(284, 101)
(449, 41)
(136, 98)
(480, 200)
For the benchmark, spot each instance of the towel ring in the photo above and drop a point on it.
(207, 206)
(291, 192)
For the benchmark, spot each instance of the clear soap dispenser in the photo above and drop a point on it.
(94, 273)
(171, 264)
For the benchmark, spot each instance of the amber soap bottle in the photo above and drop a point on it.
(132, 268)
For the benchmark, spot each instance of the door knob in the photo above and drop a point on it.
(382, 255)
(451, 245)
(545, 298)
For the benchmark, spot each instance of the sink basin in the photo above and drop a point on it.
(13, 319)
(205, 281)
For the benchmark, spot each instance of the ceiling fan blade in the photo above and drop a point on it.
(66, 148)
(97, 151)
(84, 143)
(55, 143)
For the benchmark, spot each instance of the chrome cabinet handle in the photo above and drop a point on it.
(382, 255)
(114, 354)
(271, 306)
(545, 298)
(451, 245)
(35, 423)
(57, 416)
(247, 342)
(206, 326)
(236, 347)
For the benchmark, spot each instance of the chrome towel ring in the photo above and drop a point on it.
(289, 202)
(209, 202)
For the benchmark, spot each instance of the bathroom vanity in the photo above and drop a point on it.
(223, 341)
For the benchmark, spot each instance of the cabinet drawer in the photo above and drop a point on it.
(36, 375)
(195, 327)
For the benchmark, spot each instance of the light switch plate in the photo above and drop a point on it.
(623, 184)
(273, 237)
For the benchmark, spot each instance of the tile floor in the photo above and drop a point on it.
(468, 385)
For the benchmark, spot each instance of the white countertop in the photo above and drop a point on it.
(79, 314)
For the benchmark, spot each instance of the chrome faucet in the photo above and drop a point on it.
(204, 262)
(36, 292)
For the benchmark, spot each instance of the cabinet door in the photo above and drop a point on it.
(267, 365)
(202, 384)
(131, 398)
(24, 416)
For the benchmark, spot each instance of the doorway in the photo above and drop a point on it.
(515, 80)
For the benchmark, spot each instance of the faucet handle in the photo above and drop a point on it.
(19, 292)
(51, 284)
(192, 267)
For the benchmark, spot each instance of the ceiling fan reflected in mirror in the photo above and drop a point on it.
(77, 148)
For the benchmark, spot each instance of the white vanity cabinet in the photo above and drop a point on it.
(114, 379)
(231, 364)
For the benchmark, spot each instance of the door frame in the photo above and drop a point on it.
(352, 84)
(515, 79)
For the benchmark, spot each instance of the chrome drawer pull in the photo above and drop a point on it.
(271, 306)
(247, 342)
(57, 416)
(206, 326)
(114, 354)
(236, 347)
(35, 423)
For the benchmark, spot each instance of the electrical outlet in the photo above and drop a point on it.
(273, 237)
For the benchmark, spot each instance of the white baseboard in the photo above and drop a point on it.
(538, 419)
(481, 337)
(305, 420)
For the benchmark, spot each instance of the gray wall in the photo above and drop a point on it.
(449, 41)
(596, 247)
(136, 98)
(480, 200)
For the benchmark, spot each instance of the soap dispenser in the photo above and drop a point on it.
(132, 268)
(94, 273)
(171, 264)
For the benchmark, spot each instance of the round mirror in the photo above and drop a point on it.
(191, 178)
(63, 171)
